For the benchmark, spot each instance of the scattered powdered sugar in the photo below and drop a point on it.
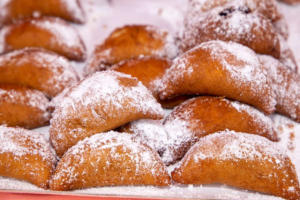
(73, 7)
(58, 72)
(28, 97)
(240, 146)
(143, 157)
(21, 142)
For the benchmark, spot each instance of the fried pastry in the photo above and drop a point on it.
(109, 159)
(241, 160)
(285, 84)
(201, 116)
(149, 70)
(291, 1)
(12, 10)
(49, 33)
(38, 69)
(26, 155)
(222, 69)
(101, 102)
(20, 106)
(131, 41)
(149, 132)
(232, 23)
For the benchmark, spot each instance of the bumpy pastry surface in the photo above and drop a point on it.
(232, 23)
(49, 33)
(24, 107)
(12, 10)
(109, 159)
(38, 69)
(205, 115)
(101, 102)
(131, 41)
(241, 160)
(286, 86)
(26, 155)
(221, 69)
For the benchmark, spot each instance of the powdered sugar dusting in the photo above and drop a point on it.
(143, 158)
(16, 140)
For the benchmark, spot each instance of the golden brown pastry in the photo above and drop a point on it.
(101, 102)
(285, 84)
(26, 155)
(109, 159)
(241, 160)
(201, 116)
(292, 2)
(12, 10)
(149, 70)
(232, 23)
(38, 69)
(131, 41)
(49, 33)
(222, 69)
(24, 107)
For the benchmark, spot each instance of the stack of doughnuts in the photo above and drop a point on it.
(222, 75)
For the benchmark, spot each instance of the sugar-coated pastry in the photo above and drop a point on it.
(222, 69)
(149, 132)
(291, 1)
(26, 155)
(101, 102)
(38, 69)
(109, 159)
(149, 70)
(285, 84)
(240, 160)
(12, 10)
(205, 115)
(49, 33)
(24, 107)
(232, 23)
(131, 41)
(287, 57)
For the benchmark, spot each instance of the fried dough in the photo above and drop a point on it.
(101, 102)
(241, 160)
(201, 116)
(26, 155)
(109, 159)
(131, 41)
(38, 69)
(285, 84)
(20, 106)
(222, 69)
(13, 10)
(232, 23)
(49, 33)
(149, 71)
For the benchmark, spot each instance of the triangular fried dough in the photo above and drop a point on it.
(109, 159)
(24, 107)
(131, 41)
(26, 155)
(221, 69)
(49, 33)
(241, 160)
(101, 102)
(13, 10)
(38, 69)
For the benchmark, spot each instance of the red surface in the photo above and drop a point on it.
(12, 195)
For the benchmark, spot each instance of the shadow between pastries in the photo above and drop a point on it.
(26, 155)
(240, 160)
(109, 159)
(101, 102)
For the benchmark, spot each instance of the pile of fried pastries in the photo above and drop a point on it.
(222, 75)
